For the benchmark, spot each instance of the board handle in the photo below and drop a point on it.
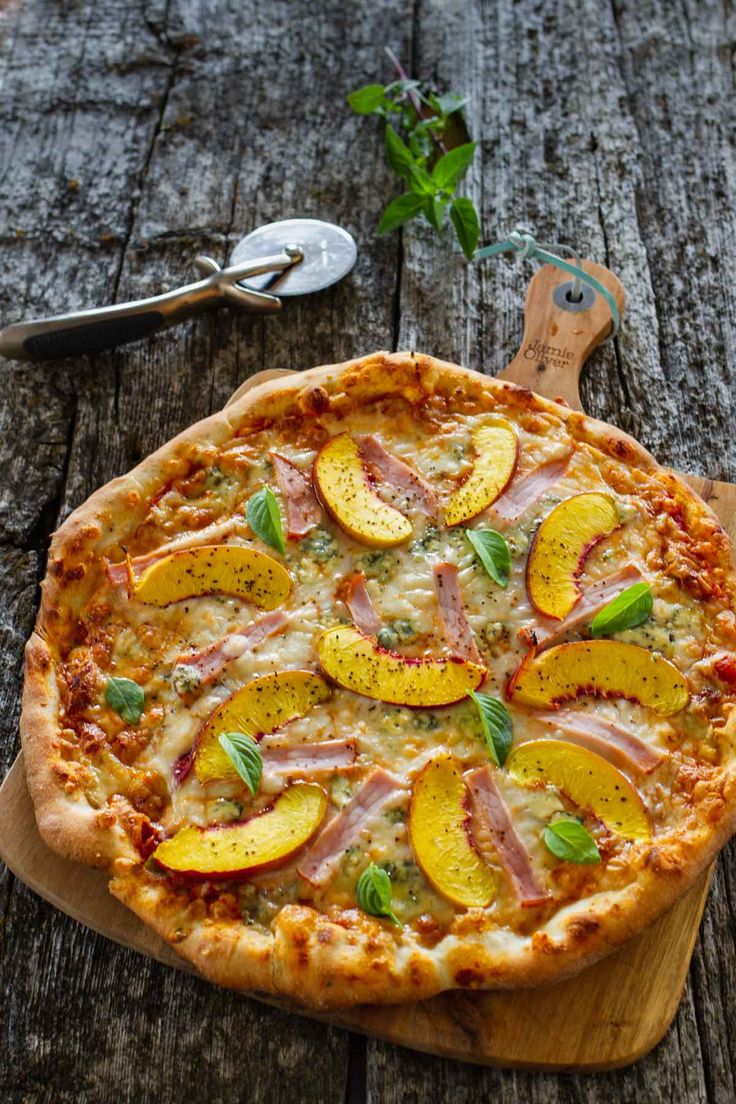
(559, 335)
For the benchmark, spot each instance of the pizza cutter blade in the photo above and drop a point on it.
(293, 257)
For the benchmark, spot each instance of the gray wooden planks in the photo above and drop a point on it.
(133, 137)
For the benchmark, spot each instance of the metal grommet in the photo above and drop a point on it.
(562, 297)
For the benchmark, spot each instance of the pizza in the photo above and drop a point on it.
(388, 679)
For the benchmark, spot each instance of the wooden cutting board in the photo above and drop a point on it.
(607, 1016)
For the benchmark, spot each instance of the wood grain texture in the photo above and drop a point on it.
(133, 136)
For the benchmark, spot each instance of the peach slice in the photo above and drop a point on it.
(560, 547)
(240, 849)
(589, 781)
(439, 833)
(602, 669)
(354, 661)
(214, 569)
(344, 488)
(496, 452)
(261, 706)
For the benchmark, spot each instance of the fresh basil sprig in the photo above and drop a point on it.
(374, 893)
(627, 610)
(421, 157)
(493, 552)
(497, 726)
(126, 698)
(245, 755)
(568, 839)
(264, 518)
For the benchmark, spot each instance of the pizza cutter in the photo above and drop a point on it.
(291, 257)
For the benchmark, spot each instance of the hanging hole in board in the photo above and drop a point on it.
(563, 297)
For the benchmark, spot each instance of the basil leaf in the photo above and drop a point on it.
(398, 154)
(365, 100)
(497, 727)
(493, 552)
(374, 893)
(245, 755)
(264, 518)
(434, 211)
(567, 839)
(464, 218)
(399, 211)
(126, 698)
(453, 164)
(627, 610)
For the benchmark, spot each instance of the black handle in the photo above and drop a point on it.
(91, 337)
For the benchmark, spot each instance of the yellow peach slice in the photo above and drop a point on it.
(259, 707)
(343, 486)
(214, 569)
(560, 548)
(242, 848)
(496, 452)
(589, 781)
(354, 661)
(439, 833)
(602, 669)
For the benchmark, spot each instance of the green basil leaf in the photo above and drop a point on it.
(245, 755)
(365, 100)
(398, 154)
(497, 726)
(567, 839)
(464, 218)
(434, 210)
(627, 610)
(403, 208)
(126, 698)
(264, 518)
(448, 103)
(374, 893)
(453, 164)
(493, 552)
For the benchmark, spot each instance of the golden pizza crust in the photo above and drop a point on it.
(306, 955)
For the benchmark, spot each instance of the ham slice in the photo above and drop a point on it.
(377, 790)
(489, 808)
(607, 739)
(458, 632)
(117, 573)
(120, 573)
(196, 669)
(593, 599)
(358, 601)
(417, 491)
(303, 511)
(308, 758)
(525, 491)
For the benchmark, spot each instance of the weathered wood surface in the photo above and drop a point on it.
(134, 136)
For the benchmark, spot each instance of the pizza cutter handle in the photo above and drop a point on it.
(91, 331)
(560, 333)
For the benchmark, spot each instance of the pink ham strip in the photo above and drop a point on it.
(525, 491)
(117, 573)
(418, 492)
(302, 508)
(207, 664)
(604, 737)
(361, 608)
(592, 599)
(459, 634)
(302, 758)
(375, 792)
(489, 807)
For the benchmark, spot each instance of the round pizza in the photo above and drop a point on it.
(388, 679)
